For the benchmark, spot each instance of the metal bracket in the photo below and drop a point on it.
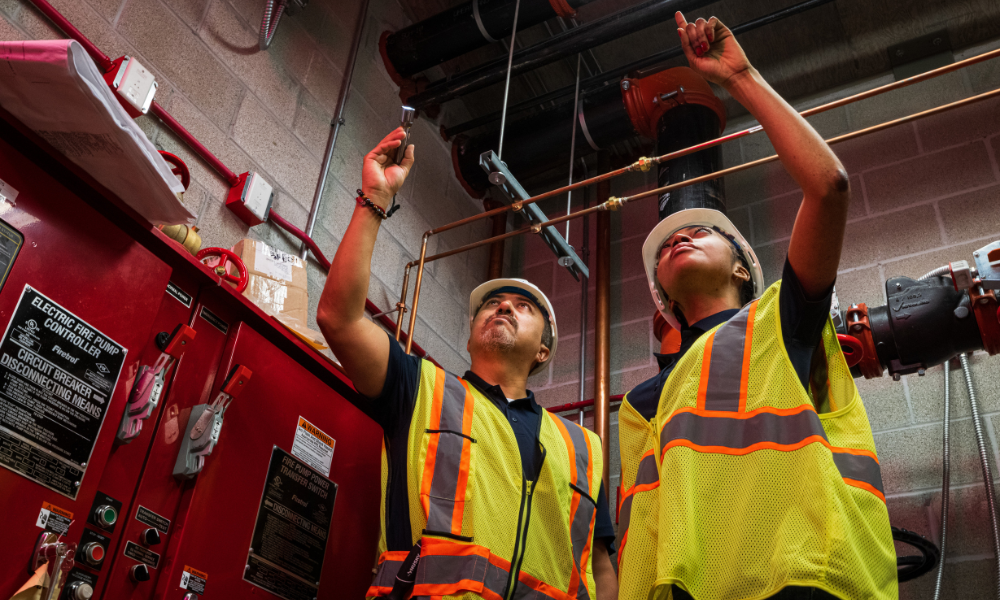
(516, 194)
(988, 265)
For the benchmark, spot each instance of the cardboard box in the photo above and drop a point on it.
(278, 281)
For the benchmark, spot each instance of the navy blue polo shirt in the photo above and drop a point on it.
(393, 410)
(802, 323)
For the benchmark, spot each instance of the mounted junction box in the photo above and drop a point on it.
(251, 198)
(133, 83)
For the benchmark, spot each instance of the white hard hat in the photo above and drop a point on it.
(692, 217)
(526, 289)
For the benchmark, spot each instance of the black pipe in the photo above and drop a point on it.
(601, 80)
(542, 142)
(682, 127)
(565, 44)
(455, 31)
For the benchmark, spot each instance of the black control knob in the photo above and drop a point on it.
(150, 537)
(93, 553)
(139, 573)
(78, 590)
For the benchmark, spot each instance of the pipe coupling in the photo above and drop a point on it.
(612, 204)
(643, 164)
(517, 206)
(536, 229)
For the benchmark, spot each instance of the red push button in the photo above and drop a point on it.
(93, 553)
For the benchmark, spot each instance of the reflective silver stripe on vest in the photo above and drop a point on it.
(579, 529)
(726, 368)
(859, 467)
(448, 459)
(784, 430)
(385, 576)
(438, 569)
(646, 475)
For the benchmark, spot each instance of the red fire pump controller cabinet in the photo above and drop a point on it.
(76, 305)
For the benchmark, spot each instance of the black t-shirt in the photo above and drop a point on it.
(802, 323)
(393, 410)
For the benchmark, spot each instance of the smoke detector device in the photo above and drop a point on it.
(251, 198)
(134, 85)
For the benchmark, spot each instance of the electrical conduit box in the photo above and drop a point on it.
(251, 198)
(133, 84)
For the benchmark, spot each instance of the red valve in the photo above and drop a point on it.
(179, 168)
(852, 349)
(227, 255)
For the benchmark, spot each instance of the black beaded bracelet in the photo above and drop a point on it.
(383, 214)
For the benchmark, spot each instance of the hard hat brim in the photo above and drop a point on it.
(481, 292)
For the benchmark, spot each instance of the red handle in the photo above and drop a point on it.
(227, 255)
(852, 349)
(179, 168)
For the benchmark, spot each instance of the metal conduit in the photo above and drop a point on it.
(273, 9)
(984, 462)
(945, 479)
(338, 120)
(613, 203)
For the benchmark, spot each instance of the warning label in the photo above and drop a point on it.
(293, 522)
(313, 446)
(193, 580)
(56, 378)
(54, 519)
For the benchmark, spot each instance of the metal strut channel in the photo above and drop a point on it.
(512, 189)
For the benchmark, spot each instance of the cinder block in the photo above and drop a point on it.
(567, 308)
(566, 363)
(915, 266)
(558, 395)
(757, 183)
(626, 258)
(312, 125)
(756, 146)
(171, 48)
(929, 176)
(541, 379)
(911, 458)
(440, 350)
(106, 8)
(440, 310)
(372, 83)
(881, 237)
(885, 403)
(732, 154)
(965, 124)
(984, 77)
(194, 198)
(323, 80)
(624, 382)
(631, 347)
(218, 226)
(541, 276)
(631, 301)
(927, 393)
(387, 263)
(773, 219)
(968, 513)
(265, 77)
(972, 215)
(864, 285)
(830, 123)
(290, 46)
(772, 260)
(191, 12)
(274, 146)
(8, 31)
(906, 101)
(877, 149)
(333, 31)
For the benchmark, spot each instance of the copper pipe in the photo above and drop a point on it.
(602, 325)
(613, 203)
(402, 302)
(643, 164)
(416, 294)
(495, 268)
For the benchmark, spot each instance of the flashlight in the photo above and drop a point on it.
(405, 121)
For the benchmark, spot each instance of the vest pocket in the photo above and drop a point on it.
(445, 480)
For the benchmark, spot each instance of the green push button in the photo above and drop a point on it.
(106, 516)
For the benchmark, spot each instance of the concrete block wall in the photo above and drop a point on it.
(270, 112)
(923, 194)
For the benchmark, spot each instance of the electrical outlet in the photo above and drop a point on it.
(251, 199)
(133, 84)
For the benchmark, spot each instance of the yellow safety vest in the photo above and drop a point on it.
(638, 506)
(757, 491)
(477, 518)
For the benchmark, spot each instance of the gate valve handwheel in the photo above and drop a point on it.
(178, 167)
(852, 349)
(227, 255)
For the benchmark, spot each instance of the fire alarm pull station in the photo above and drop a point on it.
(251, 198)
(133, 84)
(205, 425)
(149, 384)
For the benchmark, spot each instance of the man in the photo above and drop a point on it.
(748, 461)
(485, 495)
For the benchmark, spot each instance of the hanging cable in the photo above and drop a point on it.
(572, 143)
(506, 88)
(273, 9)
(984, 462)
(945, 479)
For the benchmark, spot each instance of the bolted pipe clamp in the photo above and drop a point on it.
(536, 229)
(517, 206)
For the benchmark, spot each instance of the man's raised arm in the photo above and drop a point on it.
(818, 235)
(360, 345)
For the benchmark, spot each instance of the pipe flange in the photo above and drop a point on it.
(985, 307)
(647, 98)
(859, 327)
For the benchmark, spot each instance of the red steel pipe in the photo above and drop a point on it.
(582, 404)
